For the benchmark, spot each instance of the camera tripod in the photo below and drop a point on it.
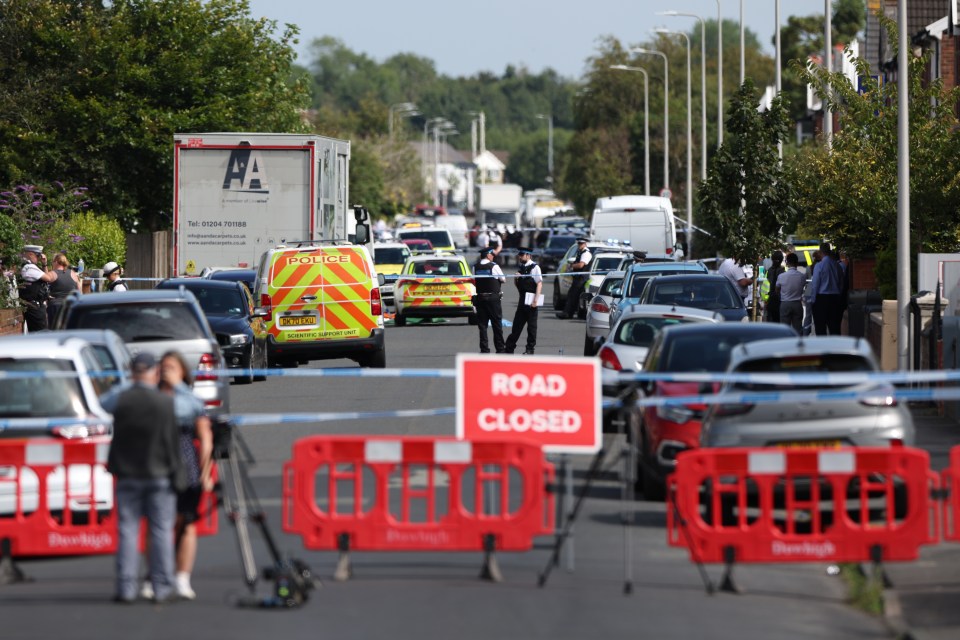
(292, 579)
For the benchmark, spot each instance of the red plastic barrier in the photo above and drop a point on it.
(802, 505)
(364, 492)
(38, 479)
(951, 505)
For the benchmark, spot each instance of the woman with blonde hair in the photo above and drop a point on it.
(66, 282)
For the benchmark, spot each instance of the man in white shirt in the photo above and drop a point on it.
(733, 271)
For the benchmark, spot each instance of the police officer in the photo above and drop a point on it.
(489, 280)
(639, 257)
(34, 288)
(579, 262)
(112, 271)
(529, 282)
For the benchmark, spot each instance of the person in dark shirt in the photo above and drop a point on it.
(145, 462)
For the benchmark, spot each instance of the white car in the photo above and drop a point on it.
(598, 312)
(58, 400)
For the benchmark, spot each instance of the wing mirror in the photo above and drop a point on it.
(381, 279)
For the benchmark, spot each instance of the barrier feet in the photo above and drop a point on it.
(9, 571)
(727, 584)
(491, 568)
(344, 569)
(879, 574)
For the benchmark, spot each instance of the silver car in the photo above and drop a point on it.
(598, 312)
(874, 419)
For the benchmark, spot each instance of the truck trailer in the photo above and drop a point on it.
(235, 195)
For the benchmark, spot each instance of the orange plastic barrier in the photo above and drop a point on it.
(56, 498)
(417, 494)
(951, 494)
(802, 505)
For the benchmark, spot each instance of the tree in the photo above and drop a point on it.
(747, 200)
(96, 91)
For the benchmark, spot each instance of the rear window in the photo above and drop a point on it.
(640, 332)
(700, 295)
(437, 237)
(609, 284)
(40, 397)
(390, 255)
(220, 301)
(812, 363)
(560, 242)
(140, 322)
(607, 263)
(699, 353)
(438, 268)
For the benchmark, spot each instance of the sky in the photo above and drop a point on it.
(464, 38)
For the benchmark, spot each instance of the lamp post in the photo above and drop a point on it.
(425, 150)
(407, 109)
(719, 77)
(703, 86)
(549, 119)
(777, 77)
(828, 39)
(689, 143)
(440, 129)
(666, 111)
(646, 124)
(903, 189)
(481, 118)
(742, 45)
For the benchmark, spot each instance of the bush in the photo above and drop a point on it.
(97, 240)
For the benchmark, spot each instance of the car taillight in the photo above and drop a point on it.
(879, 401)
(376, 307)
(600, 306)
(72, 432)
(609, 360)
(207, 364)
(266, 302)
(669, 250)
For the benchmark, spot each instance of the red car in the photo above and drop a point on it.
(418, 245)
(667, 430)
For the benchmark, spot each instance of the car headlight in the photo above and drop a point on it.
(239, 339)
(674, 413)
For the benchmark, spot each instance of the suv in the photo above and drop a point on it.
(438, 237)
(157, 321)
(562, 283)
(321, 300)
(636, 278)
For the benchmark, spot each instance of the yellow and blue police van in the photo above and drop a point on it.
(321, 300)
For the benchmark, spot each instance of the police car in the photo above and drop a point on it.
(435, 286)
(388, 259)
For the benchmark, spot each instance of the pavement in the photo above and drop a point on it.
(922, 601)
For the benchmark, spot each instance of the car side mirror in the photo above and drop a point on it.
(381, 279)
(260, 312)
(362, 234)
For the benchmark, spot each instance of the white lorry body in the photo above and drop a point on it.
(235, 195)
(644, 222)
(499, 204)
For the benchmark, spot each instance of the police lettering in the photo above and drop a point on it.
(520, 385)
(322, 259)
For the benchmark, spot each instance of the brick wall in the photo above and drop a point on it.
(11, 322)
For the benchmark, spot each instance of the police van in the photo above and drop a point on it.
(321, 300)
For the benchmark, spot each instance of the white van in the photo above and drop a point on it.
(644, 222)
(457, 226)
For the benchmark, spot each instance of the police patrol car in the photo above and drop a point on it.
(435, 286)
(320, 300)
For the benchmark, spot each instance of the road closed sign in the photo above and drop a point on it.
(553, 401)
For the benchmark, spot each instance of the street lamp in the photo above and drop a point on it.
(646, 124)
(689, 142)
(777, 81)
(666, 111)
(424, 151)
(742, 67)
(719, 77)
(406, 109)
(703, 86)
(483, 140)
(549, 119)
(440, 129)
(828, 39)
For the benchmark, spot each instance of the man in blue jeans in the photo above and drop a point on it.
(144, 460)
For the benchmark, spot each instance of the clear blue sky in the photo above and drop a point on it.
(463, 38)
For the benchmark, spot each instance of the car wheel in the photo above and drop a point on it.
(399, 320)
(557, 303)
(581, 310)
(246, 365)
(588, 346)
(375, 360)
(264, 364)
(472, 319)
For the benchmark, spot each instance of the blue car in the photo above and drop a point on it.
(709, 292)
(636, 277)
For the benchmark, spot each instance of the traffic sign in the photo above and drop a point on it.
(666, 193)
(553, 401)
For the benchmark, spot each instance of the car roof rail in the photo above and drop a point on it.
(284, 243)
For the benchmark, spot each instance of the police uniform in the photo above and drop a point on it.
(529, 281)
(579, 282)
(487, 302)
(34, 291)
(113, 285)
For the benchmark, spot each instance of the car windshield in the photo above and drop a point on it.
(220, 302)
(390, 255)
(700, 295)
(40, 397)
(560, 242)
(438, 238)
(609, 284)
(607, 263)
(700, 353)
(802, 363)
(439, 268)
(640, 332)
(140, 322)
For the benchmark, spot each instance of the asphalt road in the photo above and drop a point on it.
(417, 595)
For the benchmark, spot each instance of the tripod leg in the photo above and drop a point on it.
(235, 505)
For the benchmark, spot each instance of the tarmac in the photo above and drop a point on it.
(922, 599)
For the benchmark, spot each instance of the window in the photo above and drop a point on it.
(140, 322)
(40, 397)
(390, 255)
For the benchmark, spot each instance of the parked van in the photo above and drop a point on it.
(644, 222)
(321, 301)
(457, 226)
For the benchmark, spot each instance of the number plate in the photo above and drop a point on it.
(297, 321)
(811, 444)
(435, 288)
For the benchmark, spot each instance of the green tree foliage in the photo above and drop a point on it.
(98, 239)
(850, 194)
(746, 200)
(95, 91)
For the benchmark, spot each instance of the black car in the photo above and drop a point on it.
(246, 276)
(699, 290)
(550, 248)
(228, 306)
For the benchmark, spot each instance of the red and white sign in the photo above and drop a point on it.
(553, 401)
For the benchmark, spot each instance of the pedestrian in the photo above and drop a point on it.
(789, 288)
(639, 257)
(34, 288)
(530, 285)
(145, 462)
(732, 269)
(112, 272)
(773, 295)
(825, 293)
(489, 279)
(193, 423)
(483, 237)
(67, 281)
(579, 263)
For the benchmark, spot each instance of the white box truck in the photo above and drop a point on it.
(643, 222)
(499, 204)
(235, 195)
